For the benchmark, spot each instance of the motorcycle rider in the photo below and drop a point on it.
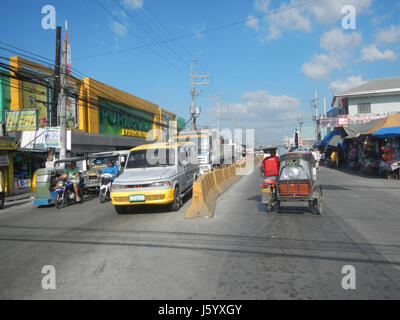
(72, 174)
(111, 169)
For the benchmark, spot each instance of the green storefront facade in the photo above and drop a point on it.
(114, 117)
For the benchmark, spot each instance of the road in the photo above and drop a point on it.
(242, 253)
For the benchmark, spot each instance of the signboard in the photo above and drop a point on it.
(35, 97)
(71, 108)
(22, 120)
(3, 159)
(344, 120)
(52, 137)
(6, 143)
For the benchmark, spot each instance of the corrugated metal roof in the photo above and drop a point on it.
(373, 86)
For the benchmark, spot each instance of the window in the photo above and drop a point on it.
(364, 108)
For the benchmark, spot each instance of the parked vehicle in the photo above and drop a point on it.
(156, 174)
(105, 187)
(98, 161)
(44, 180)
(295, 183)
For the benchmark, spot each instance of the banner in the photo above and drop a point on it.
(22, 120)
(71, 108)
(52, 137)
(344, 120)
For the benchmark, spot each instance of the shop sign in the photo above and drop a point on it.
(52, 137)
(6, 143)
(22, 120)
(133, 133)
(118, 119)
(22, 184)
(4, 159)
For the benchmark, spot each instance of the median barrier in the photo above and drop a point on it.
(208, 187)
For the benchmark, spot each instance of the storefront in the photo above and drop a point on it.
(7, 145)
(25, 163)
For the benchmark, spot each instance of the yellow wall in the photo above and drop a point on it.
(89, 91)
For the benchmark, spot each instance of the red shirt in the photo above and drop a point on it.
(271, 166)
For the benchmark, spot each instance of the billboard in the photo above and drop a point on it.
(35, 96)
(52, 137)
(22, 120)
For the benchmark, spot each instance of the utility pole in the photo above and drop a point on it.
(316, 117)
(195, 111)
(56, 84)
(63, 106)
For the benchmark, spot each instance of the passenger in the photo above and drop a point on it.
(73, 175)
(270, 166)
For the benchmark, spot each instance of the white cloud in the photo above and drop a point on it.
(336, 40)
(287, 19)
(389, 36)
(293, 15)
(134, 4)
(372, 53)
(339, 47)
(252, 22)
(343, 85)
(269, 115)
(328, 11)
(118, 28)
(260, 107)
(261, 5)
(320, 66)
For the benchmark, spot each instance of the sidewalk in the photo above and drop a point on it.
(19, 197)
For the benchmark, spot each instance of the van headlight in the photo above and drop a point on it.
(161, 184)
(118, 187)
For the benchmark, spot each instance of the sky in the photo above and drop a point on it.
(265, 57)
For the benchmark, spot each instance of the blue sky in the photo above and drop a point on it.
(266, 70)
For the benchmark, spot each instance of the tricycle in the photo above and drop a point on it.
(45, 183)
(294, 183)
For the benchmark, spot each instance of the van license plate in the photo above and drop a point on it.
(137, 198)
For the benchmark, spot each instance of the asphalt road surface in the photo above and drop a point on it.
(242, 253)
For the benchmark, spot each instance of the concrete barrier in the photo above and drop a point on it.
(207, 188)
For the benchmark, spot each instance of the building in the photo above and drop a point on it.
(378, 97)
(99, 118)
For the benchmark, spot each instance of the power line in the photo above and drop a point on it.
(190, 35)
(135, 35)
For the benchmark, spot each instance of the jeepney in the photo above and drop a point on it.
(98, 161)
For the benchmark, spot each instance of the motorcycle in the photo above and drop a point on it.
(105, 187)
(65, 193)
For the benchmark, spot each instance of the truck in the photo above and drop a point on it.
(208, 144)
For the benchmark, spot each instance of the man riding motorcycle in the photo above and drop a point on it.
(111, 169)
(72, 174)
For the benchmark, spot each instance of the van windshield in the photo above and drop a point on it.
(151, 158)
